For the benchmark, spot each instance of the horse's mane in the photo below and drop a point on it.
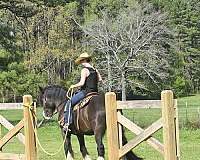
(54, 86)
(55, 93)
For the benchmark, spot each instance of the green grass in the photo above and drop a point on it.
(192, 100)
(50, 137)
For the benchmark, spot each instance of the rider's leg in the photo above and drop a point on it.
(69, 105)
(77, 97)
(67, 113)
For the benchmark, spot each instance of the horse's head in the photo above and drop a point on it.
(51, 98)
(45, 99)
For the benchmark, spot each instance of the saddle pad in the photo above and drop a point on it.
(83, 102)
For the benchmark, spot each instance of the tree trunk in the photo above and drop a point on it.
(123, 86)
(3, 98)
(14, 96)
(109, 73)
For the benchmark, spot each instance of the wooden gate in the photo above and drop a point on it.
(28, 139)
(169, 122)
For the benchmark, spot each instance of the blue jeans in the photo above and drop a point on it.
(70, 104)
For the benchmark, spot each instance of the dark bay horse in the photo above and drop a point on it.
(92, 121)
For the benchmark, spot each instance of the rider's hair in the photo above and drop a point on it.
(88, 60)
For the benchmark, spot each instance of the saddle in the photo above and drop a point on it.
(85, 101)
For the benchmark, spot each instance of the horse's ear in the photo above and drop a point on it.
(40, 89)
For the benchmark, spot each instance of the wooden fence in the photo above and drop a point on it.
(28, 139)
(169, 122)
(11, 106)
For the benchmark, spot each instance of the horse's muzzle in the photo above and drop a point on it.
(46, 117)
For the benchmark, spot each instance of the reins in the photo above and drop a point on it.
(41, 122)
(35, 131)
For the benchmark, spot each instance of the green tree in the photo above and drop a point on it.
(185, 19)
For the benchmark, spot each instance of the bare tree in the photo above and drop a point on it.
(134, 46)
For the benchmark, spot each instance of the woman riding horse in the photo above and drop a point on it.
(88, 83)
(91, 118)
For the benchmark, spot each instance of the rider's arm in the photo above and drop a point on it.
(99, 76)
(84, 74)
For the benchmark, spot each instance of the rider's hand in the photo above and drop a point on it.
(72, 86)
(70, 91)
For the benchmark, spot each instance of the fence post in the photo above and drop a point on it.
(0, 134)
(112, 129)
(177, 130)
(168, 115)
(30, 142)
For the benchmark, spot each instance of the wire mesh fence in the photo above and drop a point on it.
(189, 115)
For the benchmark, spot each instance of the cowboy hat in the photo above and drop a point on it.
(83, 56)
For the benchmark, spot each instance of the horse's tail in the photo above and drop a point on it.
(130, 155)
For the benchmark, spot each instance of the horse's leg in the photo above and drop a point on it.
(99, 132)
(68, 147)
(83, 148)
(100, 146)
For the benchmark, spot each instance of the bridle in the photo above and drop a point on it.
(68, 95)
(55, 112)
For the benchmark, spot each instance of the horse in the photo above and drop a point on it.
(92, 121)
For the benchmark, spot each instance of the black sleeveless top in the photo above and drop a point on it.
(91, 82)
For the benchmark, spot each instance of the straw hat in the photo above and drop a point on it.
(83, 56)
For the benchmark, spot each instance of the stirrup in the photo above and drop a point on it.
(66, 127)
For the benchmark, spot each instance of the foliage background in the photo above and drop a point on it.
(39, 41)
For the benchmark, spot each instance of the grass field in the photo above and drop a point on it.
(50, 137)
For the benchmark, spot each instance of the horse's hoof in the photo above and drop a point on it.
(100, 158)
(87, 157)
(69, 156)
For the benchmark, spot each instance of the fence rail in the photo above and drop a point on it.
(10, 106)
